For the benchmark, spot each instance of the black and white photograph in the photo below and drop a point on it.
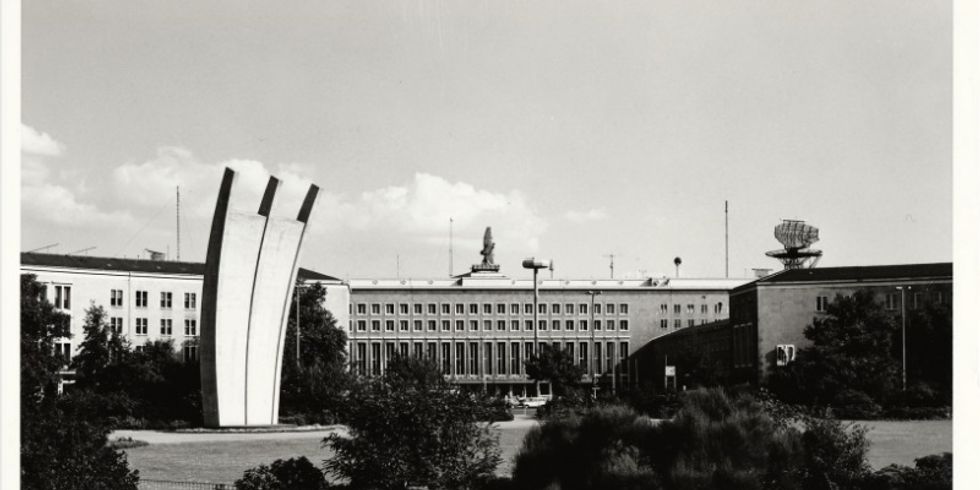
(508, 245)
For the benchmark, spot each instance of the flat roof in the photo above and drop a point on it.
(136, 265)
(500, 282)
(870, 273)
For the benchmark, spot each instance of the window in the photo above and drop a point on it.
(704, 309)
(515, 358)
(501, 358)
(116, 324)
(569, 324)
(375, 358)
(361, 358)
(487, 308)
(785, 354)
(62, 297)
(446, 308)
(142, 299)
(663, 324)
(403, 308)
(190, 301)
(569, 309)
(403, 349)
(460, 309)
(474, 358)
(598, 309)
(515, 325)
(624, 353)
(63, 351)
(598, 325)
(361, 309)
(501, 325)
(139, 348)
(719, 307)
(460, 325)
(487, 325)
(375, 310)
(389, 325)
(610, 351)
(529, 325)
(166, 299)
(610, 324)
(403, 325)
(892, 301)
(501, 309)
(488, 353)
(142, 326)
(432, 325)
(663, 308)
(116, 297)
(446, 349)
(690, 309)
(361, 325)
(556, 309)
(583, 309)
(460, 358)
(417, 308)
(690, 322)
(624, 324)
(583, 324)
(543, 324)
(474, 325)
(418, 350)
(821, 303)
(389, 308)
(542, 308)
(375, 325)
(610, 309)
(583, 355)
(417, 325)
(677, 323)
(916, 300)
(597, 356)
(528, 308)
(515, 309)
(677, 309)
(474, 309)
(446, 325)
(624, 309)
(389, 351)
(190, 327)
(430, 308)
(190, 353)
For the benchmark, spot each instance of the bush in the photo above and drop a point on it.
(599, 449)
(291, 474)
(855, 405)
(933, 472)
(497, 410)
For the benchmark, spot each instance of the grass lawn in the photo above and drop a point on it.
(891, 442)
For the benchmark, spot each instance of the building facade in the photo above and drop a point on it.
(480, 327)
(144, 300)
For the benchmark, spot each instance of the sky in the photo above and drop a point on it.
(575, 129)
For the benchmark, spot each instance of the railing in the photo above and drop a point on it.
(146, 484)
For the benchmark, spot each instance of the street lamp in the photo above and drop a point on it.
(903, 288)
(536, 265)
(592, 364)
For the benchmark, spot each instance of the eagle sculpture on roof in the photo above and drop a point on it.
(488, 245)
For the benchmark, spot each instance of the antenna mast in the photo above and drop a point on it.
(611, 265)
(178, 223)
(726, 238)
(450, 246)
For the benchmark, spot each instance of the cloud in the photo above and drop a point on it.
(45, 199)
(585, 216)
(34, 142)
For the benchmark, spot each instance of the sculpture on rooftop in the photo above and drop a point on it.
(488, 245)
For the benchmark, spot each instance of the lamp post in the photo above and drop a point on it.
(536, 265)
(592, 367)
(904, 382)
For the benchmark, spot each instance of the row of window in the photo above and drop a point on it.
(63, 352)
(143, 326)
(665, 323)
(487, 325)
(142, 299)
(484, 358)
(893, 301)
(487, 308)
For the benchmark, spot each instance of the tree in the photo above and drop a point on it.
(101, 349)
(40, 325)
(63, 440)
(404, 435)
(311, 389)
(555, 366)
(852, 354)
(929, 344)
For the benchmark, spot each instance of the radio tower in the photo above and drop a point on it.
(611, 264)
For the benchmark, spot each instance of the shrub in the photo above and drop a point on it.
(598, 449)
(933, 472)
(291, 474)
(855, 405)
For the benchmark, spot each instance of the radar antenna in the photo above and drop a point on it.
(796, 237)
